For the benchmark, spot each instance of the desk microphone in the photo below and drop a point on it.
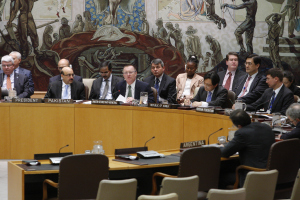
(260, 105)
(149, 140)
(62, 148)
(212, 134)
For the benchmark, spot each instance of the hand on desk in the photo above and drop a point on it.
(197, 104)
(129, 99)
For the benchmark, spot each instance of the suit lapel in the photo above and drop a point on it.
(1, 79)
(59, 90)
(113, 83)
(278, 97)
(240, 87)
(17, 82)
(214, 96)
(163, 82)
(222, 76)
(254, 82)
(98, 87)
(123, 89)
(203, 95)
(137, 90)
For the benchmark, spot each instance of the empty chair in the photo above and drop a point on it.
(261, 185)
(171, 196)
(216, 194)
(185, 188)
(117, 189)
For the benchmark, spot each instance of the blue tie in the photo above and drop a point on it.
(156, 86)
(272, 101)
(208, 99)
(65, 96)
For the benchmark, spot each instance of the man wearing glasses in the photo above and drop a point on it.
(61, 64)
(103, 87)
(131, 88)
(11, 80)
(67, 87)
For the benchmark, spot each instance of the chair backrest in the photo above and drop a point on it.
(261, 185)
(154, 94)
(87, 92)
(117, 189)
(184, 187)
(237, 194)
(203, 162)
(196, 91)
(172, 196)
(88, 82)
(80, 175)
(296, 189)
(285, 157)
(231, 97)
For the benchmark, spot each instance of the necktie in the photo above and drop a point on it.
(272, 101)
(156, 86)
(129, 91)
(246, 86)
(105, 89)
(208, 99)
(8, 82)
(228, 81)
(66, 93)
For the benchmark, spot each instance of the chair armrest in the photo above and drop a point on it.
(154, 186)
(236, 184)
(48, 181)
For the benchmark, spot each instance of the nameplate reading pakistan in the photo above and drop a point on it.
(26, 100)
(59, 101)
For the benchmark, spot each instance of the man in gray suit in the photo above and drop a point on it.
(102, 87)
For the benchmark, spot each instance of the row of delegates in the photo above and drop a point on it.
(10, 79)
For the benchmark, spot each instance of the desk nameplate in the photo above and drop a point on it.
(166, 106)
(105, 102)
(26, 100)
(59, 101)
(206, 109)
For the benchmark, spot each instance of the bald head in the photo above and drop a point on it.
(63, 63)
(67, 75)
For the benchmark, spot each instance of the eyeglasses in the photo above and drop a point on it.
(69, 75)
(6, 66)
(248, 63)
(60, 68)
(126, 73)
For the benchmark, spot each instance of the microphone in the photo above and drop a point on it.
(62, 148)
(260, 105)
(149, 140)
(212, 134)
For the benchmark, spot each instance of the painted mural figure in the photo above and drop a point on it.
(59, 3)
(215, 47)
(56, 38)
(2, 4)
(292, 12)
(88, 24)
(126, 25)
(206, 62)
(247, 26)
(161, 31)
(176, 36)
(145, 23)
(211, 14)
(64, 30)
(109, 54)
(192, 44)
(273, 33)
(190, 9)
(136, 27)
(78, 25)
(47, 39)
(26, 24)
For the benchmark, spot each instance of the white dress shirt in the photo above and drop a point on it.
(109, 94)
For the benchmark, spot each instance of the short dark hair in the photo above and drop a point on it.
(240, 117)
(157, 61)
(106, 64)
(129, 66)
(256, 58)
(193, 59)
(232, 54)
(289, 75)
(275, 72)
(213, 76)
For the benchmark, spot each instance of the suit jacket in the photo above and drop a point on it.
(295, 133)
(55, 89)
(167, 87)
(295, 89)
(21, 84)
(238, 75)
(197, 81)
(58, 78)
(257, 88)
(95, 91)
(218, 98)
(29, 75)
(283, 100)
(139, 87)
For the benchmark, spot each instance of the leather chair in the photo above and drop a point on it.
(88, 82)
(171, 196)
(79, 176)
(285, 157)
(154, 94)
(237, 194)
(231, 97)
(203, 162)
(87, 92)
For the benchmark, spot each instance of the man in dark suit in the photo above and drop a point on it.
(253, 142)
(66, 88)
(131, 88)
(211, 94)
(164, 84)
(230, 78)
(61, 64)
(277, 98)
(253, 84)
(10, 80)
(19, 70)
(103, 87)
(293, 114)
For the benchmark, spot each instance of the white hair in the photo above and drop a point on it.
(17, 53)
(7, 58)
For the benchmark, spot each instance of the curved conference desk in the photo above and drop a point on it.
(28, 129)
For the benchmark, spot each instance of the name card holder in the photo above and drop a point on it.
(206, 109)
(105, 102)
(192, 144)
(26, 100)
(166, 106)
(59, 101)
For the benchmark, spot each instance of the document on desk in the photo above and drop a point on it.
(121, 98)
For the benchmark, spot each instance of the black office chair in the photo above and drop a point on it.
(231, 97)
(79, 176)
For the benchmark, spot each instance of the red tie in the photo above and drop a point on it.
(228, 81)
(246, 86)
(8, 82)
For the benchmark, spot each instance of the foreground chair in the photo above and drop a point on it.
(171, 196)
(185, 188)
(237, 194)
(117, 189)
(203, 162)
(79, 176)
(261, 185)
(296, 189)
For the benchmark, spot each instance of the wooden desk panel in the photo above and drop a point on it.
(4, 133)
